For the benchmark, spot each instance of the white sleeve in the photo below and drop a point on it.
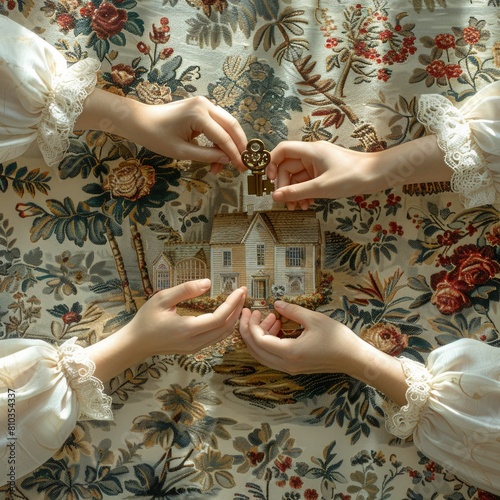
(40, 97)
(470, 140)
(453, 410)
(44, 390)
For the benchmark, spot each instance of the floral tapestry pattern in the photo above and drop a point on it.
(409, 270)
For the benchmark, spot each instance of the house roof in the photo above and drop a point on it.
(286, 227)
(175, 252)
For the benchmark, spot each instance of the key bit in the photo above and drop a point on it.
(257, 158)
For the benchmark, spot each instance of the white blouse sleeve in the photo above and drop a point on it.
(470, 140)
(44, 390)
(40, 97)
(453, 410)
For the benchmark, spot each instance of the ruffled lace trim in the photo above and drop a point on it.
(471, 178)
(402, 420)
(64, 105)
(78, 368)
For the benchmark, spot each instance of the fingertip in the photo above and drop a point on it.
(204, 284)
(279, 196)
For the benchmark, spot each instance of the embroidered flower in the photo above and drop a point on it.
(107, 20)
(436, 68)
(493, 237)
(74, 445)
(475, 265)
(386, 338)
(130, 180)
(444, 41)
(449, 293)
(152, 93)
(122, 74)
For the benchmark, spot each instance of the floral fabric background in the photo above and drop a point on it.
(83, 246)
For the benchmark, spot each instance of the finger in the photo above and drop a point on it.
(225, 131)
(226, 313)
(204, 154)
(216, 168)
(289, 149)
(170, 297)
(296, 313)
(288, 169)
(272, 171)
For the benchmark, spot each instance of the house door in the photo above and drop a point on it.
(259, 288)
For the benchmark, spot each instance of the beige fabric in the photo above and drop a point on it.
(470, 140)
(44, 390)
(459, 427)
(40, 96)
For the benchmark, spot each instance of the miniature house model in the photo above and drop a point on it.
(259, 250)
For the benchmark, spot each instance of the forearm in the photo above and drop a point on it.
(381, 371)
(110, 113)
(116, 353)
(414, 162)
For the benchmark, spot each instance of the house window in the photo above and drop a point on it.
(229, 283)
(295, 257)
(227, 258)
(259, 288)
(189, 269)
(260, 254)
(162, 277)
(295, 285)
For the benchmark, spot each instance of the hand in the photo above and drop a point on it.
(163, 331)
(168, 129)
(158, 329)
(324, 346)
(308, 170)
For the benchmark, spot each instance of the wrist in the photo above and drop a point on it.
(414, 162)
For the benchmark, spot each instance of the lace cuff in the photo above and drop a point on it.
(64, 105)
(402, 420)
(78, 368)
(471, 178)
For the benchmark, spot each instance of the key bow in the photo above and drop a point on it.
(255, 157)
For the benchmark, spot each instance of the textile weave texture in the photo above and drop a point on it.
(83, 245)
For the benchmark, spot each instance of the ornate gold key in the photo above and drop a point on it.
(256, 158)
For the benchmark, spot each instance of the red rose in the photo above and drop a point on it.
(122, 74)
(436, 68)
(71, 317)
(449, 296)
(444, 41)
(107, 20)
(475, 265)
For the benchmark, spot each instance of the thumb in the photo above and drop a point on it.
(294, 312)
(185, 291)
(296, 192)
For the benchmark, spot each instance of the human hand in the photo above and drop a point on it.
(157, 328)
(308, 170)
(161, 330)
(324, 346)
(168, 129)
(171, 129)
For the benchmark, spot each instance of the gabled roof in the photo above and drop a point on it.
(175, 252)
(285, 226)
